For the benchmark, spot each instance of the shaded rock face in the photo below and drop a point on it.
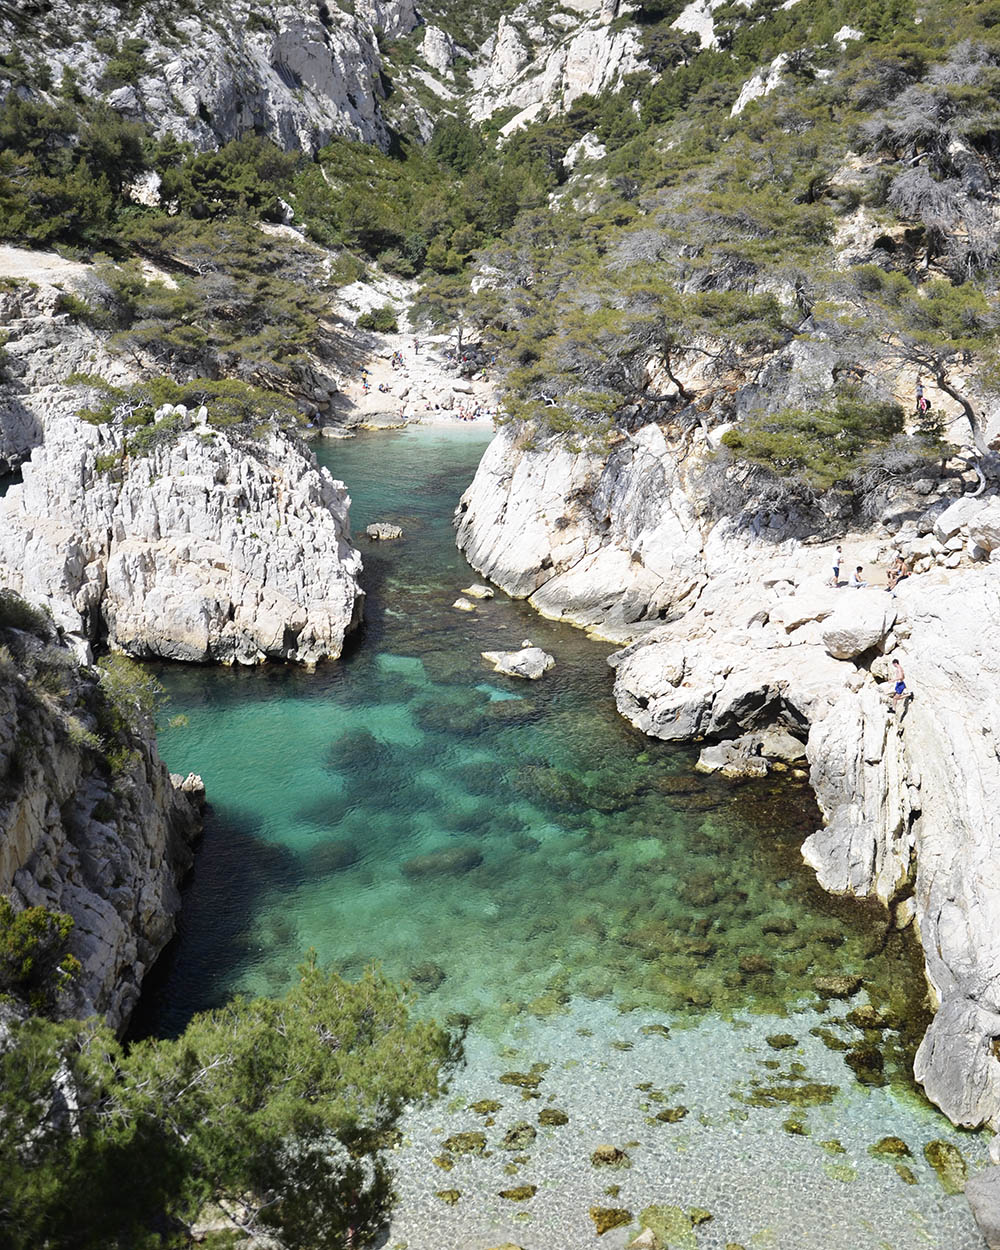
(200, 551)
(109, 849)
(753, 635)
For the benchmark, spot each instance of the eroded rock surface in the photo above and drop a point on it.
(733, 629)
(202, 550)
(108, 845)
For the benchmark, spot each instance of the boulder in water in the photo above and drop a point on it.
(381, 531)
(529, 662)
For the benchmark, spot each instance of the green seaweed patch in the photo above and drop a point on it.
(949, 1164)
(471, 1143)
(671, 1115)
(833, 1147)
(803, 1094)
(905, 1173)
(671, 1226)
(520, 1193)
(655, 1030)
(839, 986)
(867, 1064)
(612, 1191)
(450, 1196)
(511, 1169)
(485, 1106)
(890, 1147)
(841, 1172)
(524, 1080)
(618, 1045)
(698, 1215)
(782, 1041)
(796, 1127)
(610, 1157)
(607, 1218)
(552, 1117)
(444, 1162)
(869, 1017)
(829, 1039)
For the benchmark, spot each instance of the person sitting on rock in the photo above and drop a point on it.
(897, 571)
(857, 581)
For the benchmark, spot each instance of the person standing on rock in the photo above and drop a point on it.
(899, 691)
(838, 559)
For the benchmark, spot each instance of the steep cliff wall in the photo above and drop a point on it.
(90, 821)
(206, 548)
(299, 72)
(732, 628)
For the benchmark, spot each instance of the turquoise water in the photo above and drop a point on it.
(529, 862)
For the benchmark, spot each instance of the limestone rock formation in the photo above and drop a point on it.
(204, 549)
(108, 846)
(43, 346)
(536, 60)
(300, 73)
(732, 630)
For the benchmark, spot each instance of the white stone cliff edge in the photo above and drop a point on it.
(200, 550)
(730, 629)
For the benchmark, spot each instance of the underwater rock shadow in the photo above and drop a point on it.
(234, 870)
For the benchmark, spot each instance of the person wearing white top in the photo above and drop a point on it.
(856, 579)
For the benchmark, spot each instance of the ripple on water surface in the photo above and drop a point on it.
(526, 859)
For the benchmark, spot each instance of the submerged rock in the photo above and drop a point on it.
(450, 862)
(607, 1218)
(610, 1157)
(471, 1143)
(381, 531)
(949, 1164)
(519, 1136)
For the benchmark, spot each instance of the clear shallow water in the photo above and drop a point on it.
(529, 861)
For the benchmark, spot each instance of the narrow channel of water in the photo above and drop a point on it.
(527, 860)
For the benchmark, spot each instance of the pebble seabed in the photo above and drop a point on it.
(796, 1175)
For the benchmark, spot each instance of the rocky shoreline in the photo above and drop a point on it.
(727, 630)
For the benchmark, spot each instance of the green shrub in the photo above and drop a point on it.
(17, 613)
(381, 319)
(35, 966)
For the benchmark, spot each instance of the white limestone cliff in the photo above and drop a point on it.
(731, 628)
(299, 73)
(537, 60)
(206, 549)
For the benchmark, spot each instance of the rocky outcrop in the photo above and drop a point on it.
(299, 73)
(106, 842)
(537, 59)
(43, 346)
(208, 548)
(731, 628)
